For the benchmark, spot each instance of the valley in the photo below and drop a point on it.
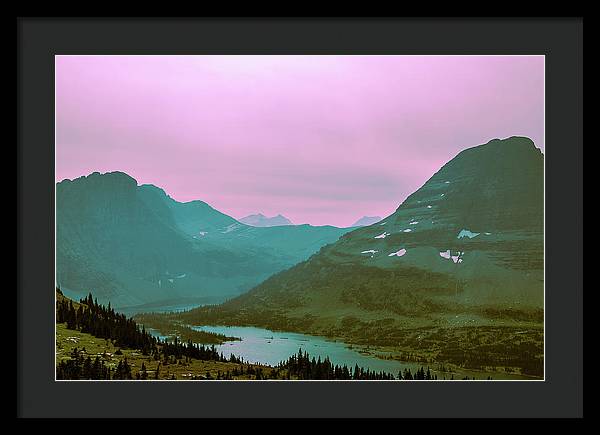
(454, 275)
(452, 280)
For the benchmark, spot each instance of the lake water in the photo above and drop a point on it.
(264, 346)
(271, 347)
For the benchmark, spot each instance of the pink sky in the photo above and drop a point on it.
(319, 139)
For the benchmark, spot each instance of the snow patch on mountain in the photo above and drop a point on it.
(458, 258)
(398, 253)
(467, 233)
(231, 228)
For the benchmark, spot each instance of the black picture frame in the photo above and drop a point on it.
(560, 40)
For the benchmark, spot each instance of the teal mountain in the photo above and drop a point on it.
(133, 244)
(464, 249)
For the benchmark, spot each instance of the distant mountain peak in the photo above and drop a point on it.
(366, 221)
(260, 220)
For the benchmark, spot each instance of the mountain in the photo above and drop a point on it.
(465, 249)
(135, 245)
(260, 220)
(366, 221)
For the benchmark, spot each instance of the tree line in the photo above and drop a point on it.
(103, 322)
(302, 366)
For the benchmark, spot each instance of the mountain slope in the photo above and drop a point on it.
(190, 217)
(134, 244)
(466, 248)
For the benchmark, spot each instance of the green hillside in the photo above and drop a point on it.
(464, 251)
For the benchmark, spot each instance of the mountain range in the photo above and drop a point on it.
(465, 249)
(133, 244)
(260, 220)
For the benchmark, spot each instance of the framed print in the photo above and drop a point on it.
(306, 219)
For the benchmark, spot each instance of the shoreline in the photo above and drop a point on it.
(386, 354)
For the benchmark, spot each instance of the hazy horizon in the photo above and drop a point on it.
(323, 140)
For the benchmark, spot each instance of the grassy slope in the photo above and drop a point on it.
(68, 339)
